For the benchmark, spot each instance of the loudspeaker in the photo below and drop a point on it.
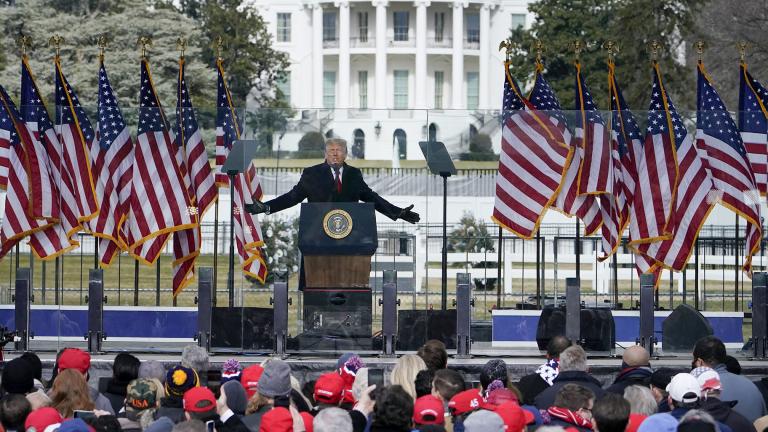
(246, 328)
(339, 313)
(414, 327)
(597, 328)
(682, 328)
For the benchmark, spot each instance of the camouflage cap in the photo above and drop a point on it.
(141, 394)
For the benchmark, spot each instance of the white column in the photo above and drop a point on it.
(344, 82)
(317, 55)
(485, 55)
(380, 77)
(457, 72)
(421, 54)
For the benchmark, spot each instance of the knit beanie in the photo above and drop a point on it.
(231, 370)
(179, 379)
(237, 400)
(276, 379)
(18, 377)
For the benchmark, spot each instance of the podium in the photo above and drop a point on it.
(337, 240)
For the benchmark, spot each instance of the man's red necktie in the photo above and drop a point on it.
(338, 181)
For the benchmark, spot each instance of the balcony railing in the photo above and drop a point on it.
(362, 42)
(441, 42)
(410, 42)
(472, 43)
(330, 43)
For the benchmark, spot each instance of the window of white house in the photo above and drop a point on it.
(362, 84)
(284, 85)
(439, 26)
(329, 26)
(438, 89)
(400, 19)
(473, 90)
(473, 27)
(518, 20)
(401, 89)
(329, 89)
(283, 27)
(362, 26)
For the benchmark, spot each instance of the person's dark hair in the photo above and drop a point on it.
(434, 354)
(611, 413)
(573, 397)
(393, 410)
(448, 382)
(125, 368)
(710, 350)
(105, 423)
(203, 416)
(732, 365)
(423, 382)
(308, 390)
(55, 372)
(556, 345)
(14, 409)
(493, 370)
(36, 364)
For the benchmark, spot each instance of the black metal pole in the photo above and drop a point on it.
(696, 277)
(136, 283)
(157, 282)
(444, 282)
(616, 279)
(538, 267)
(578, 251)
(736, 264)
(231, 273)
(43, 279)
(215, 241)
(95, 252)
(56, 286)
(498, 268)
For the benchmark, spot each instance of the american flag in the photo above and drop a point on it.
(585, 207)
(198, 176)
(48, 154)
(692, 202)
(159, 202)
(17, 220)
(531, 163)
(753, 124)
(112, 170)
(653, 201)
(627, 143)
(248, 238)
(727, 161)
(76, 137)
(596, 173)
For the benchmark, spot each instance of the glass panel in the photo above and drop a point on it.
(439, 26)
(439, 89)
(401, 89)
(518, 20)
(329, 89)
(329, 26)
(473, 27)
(401, 25)
(362, 19)
(283, 27)
(473, 90)
(284, 86)
(362, 83)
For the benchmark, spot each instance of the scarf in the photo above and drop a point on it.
(570, 417)
(549, 370)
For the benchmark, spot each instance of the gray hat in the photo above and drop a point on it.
(236, 397)
(152, 369)
(163, 424)
(276, 379)
(484, 421)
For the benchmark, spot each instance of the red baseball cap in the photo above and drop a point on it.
(249, 378)
(308, 421)
(276, 420)
(41, 418)
(73, 358)
(329, 388)
(428, 410)
(464, 402)
(515, 418)
(199, 399)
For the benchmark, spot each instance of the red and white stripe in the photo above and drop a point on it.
(585, 207)
(531, 164)
(757, 150)
(596, 166)
(692, 205)
(159, 202)
(112, 170)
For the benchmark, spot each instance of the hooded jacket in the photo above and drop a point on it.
(546, 398)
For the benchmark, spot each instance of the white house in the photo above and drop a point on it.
(368, 71)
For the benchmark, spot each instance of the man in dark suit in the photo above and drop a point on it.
(333, 181)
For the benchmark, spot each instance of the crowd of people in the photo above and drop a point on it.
(422, 393)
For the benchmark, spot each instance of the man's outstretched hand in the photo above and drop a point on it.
(408, 215)
(257, 207)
